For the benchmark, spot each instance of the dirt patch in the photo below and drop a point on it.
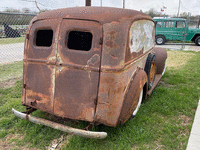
(13, 136)
(9, 144)
(178, 59)
(10, 83)
(185, 120)
(57, 144)
(165, 84)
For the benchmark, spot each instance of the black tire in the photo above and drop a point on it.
(160, 40)
(197, 41)
(150, 69)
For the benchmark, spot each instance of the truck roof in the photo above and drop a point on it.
(100, 14)
(168, 19)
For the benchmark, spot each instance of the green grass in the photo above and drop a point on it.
(11, 71)
(11, 40)
(163, 122)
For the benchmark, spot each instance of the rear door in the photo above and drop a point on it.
(168, 30)
(77, 69)
(180, 30)
(39, 64)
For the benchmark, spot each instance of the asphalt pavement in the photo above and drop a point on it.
(11, 52)
(180, 46)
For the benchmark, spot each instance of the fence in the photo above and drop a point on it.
(13, 28)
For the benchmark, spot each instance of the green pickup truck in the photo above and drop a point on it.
(175, 29)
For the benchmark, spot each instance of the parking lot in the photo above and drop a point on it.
(11, 52)
(180, 46)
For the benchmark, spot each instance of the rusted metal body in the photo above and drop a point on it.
(99, 85)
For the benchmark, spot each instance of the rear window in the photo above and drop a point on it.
(180, 24)
(158, 24)
(79, 40)
(44, 38)
(142, 35)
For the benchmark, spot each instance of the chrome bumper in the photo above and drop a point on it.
(70, 130)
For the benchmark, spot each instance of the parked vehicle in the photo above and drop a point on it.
(175, 29)
(83, 64)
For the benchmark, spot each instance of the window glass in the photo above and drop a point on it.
(158, 24)
(44, 38)
(180, 24)
(78, 40)
(142, 35)
(168, 24)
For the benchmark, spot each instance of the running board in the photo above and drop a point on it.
(156, 81)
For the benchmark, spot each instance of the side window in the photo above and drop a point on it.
(168, 24)
(158, 24)
(141, 36)
(79, 40)
(180, 24)
(44, 38)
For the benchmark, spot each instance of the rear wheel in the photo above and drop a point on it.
(150, 69)
(160, 40)
(197, 41)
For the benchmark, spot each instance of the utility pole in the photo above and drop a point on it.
(179, 7)
(123, 3)
(87, 2)
(101, 3)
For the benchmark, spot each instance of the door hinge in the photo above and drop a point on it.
(27, 36)
(101, 41)
(24, 86)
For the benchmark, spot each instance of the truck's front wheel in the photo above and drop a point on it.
(197, 41)
(160, 40)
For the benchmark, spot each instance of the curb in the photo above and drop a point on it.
(194, 139)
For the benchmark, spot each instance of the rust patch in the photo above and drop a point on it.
(39, 85)
(76, 94)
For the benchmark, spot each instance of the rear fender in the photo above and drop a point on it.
(161, 56)
(138, 81)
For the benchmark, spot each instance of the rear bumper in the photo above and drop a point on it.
(67, 129)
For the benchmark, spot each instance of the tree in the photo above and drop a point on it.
(184, 15)
(153, 13)
(12, 10)
(36, 4)
(26, 10)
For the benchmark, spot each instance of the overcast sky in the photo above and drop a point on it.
(192, 6)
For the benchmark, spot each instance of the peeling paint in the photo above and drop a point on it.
(141, 36)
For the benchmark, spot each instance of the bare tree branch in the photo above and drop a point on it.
(36, 3)
(37, 6)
